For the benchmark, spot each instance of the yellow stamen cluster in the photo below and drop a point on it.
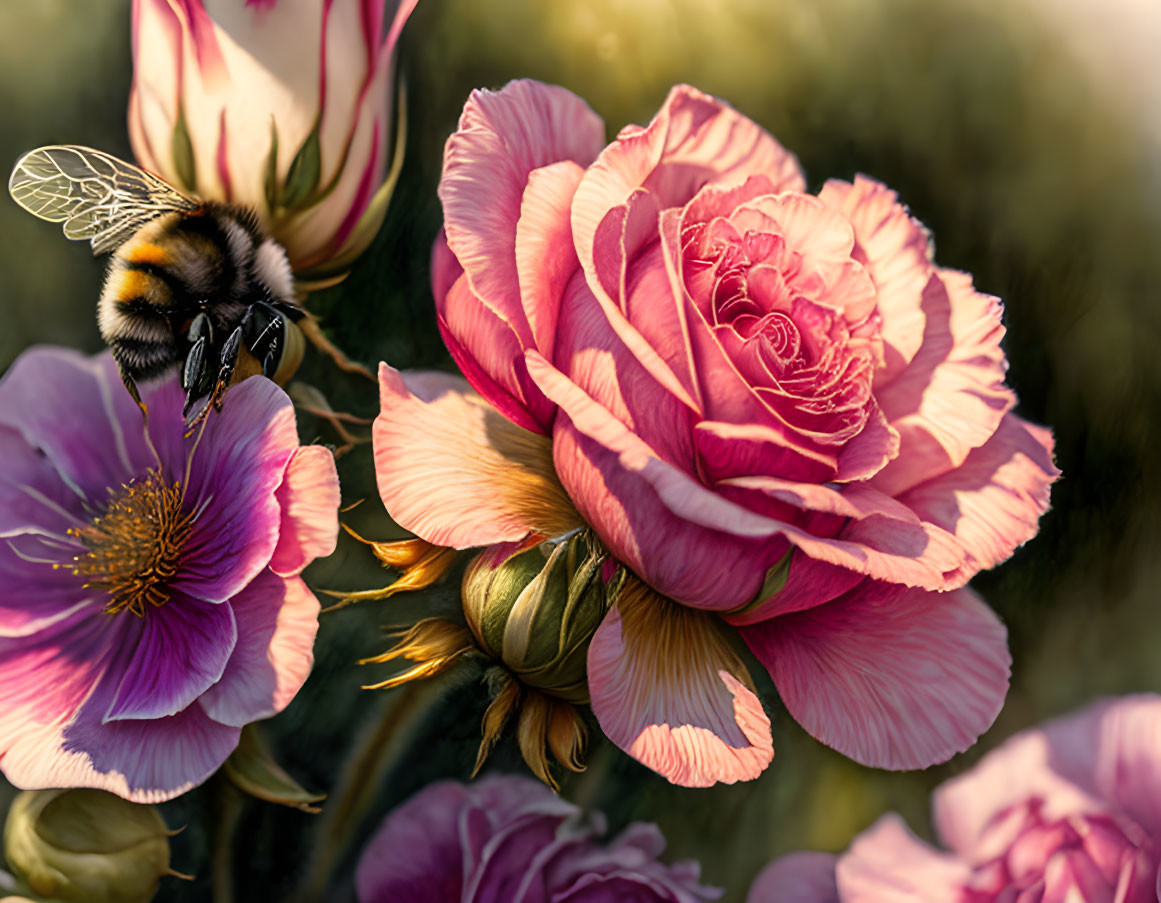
(134, 547)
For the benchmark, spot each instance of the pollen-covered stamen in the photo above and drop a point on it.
(135, 545)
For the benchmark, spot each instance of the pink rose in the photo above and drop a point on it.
(1068, 812)
(771, 406)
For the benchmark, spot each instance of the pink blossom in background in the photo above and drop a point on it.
(282, 107)
(150, 603)
(1066, 813)
(771, 406)
(512, 840)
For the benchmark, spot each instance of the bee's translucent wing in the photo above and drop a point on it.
(95, 195)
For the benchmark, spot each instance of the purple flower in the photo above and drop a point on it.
(511, 840)
(150, 603)
(1066, 813)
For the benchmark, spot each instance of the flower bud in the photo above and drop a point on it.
(86, 845)
(285, 108)
(536, 610)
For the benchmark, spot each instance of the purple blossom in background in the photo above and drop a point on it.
(512, 840)
(1066, 813)
(150, 603)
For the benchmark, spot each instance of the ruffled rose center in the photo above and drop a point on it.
(1096, 855)
(135, 546)
(766, 307)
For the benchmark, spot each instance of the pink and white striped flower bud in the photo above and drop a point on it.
(285, 106)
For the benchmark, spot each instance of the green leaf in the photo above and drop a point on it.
(252, 769)
(304, 173)
(183, 155)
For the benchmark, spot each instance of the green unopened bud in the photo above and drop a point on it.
(87, 846)
(537, 610)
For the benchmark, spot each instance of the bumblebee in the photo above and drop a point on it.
(190, 283)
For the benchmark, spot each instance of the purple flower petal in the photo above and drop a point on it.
(235, 471)
(396, 869)
(796, 878)
(75, 411)
(33, 595)
(181, 651)
(277, 621)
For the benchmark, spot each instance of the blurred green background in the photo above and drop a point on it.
(1028, 145)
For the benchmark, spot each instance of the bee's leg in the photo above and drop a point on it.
(196, 378)
(131, 385)
(264, 332)
(227, 362)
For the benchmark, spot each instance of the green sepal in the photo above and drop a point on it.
(305, 171)
(181, 147)
(774, 583)
(368, 224)
(252, 769)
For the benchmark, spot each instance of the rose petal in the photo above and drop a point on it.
(889, 864)
(593, 356)
(729, 398)
(808, 583)
(868, 452)
(309, 500)
(992, 502)
(894, 250)
(728, 450)
(545, 259)
(155, 93)
(274, 53)
(490, 357)
(951, 397)
(696, 565)
(174, 654)
(878, 524)
(682, 538)
(893, 678)
(796, 878)
(667, 689)
(348, 52)
(277, 621)
(502, 137)
(1107, 757)
(494, 365)
(456, 473)
(650, 302)
(693, 140)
